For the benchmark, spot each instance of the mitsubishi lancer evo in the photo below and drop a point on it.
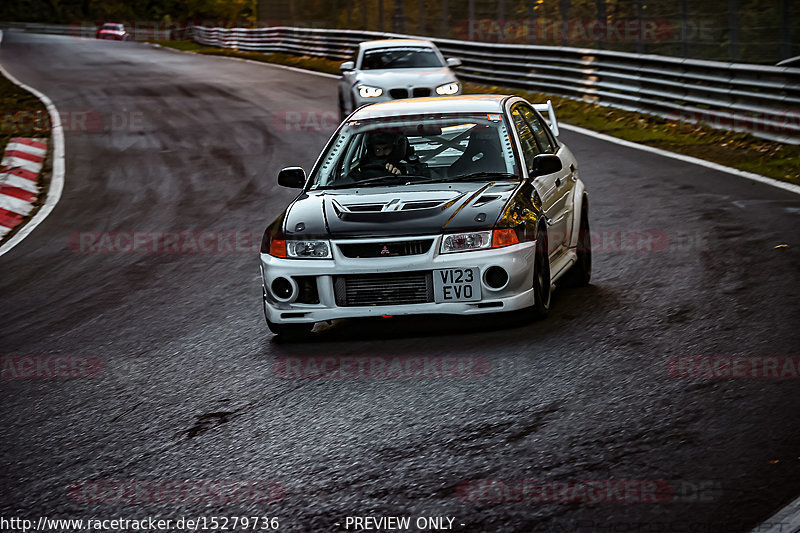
(459, 205)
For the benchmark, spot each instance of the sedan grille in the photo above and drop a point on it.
(386, 249)
(421, 91)
(398, 93)
(383, 289)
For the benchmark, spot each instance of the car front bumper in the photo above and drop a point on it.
(517, 293)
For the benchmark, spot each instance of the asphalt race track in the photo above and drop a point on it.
(189, 389)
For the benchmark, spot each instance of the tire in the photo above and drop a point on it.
(541, 279)
(292, 331)
(342, 113)
(581, 272)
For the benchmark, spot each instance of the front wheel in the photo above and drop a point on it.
(541, 279)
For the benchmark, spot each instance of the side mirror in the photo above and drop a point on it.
(292, 177)
(453, 62)
(544, 164)
(347, 65)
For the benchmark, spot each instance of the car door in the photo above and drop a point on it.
(545, 186)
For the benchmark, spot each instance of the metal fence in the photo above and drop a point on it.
(748, 31)
(763, 100)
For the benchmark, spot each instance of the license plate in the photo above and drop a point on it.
(456, 285)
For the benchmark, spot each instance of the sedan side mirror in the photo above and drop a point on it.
(453, 62)
(292, 177)
(544, 164)
(347, 65)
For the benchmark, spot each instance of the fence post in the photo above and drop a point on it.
(471, 18)
(733, 30)
(786, 17)
(685, 28)
(601, 17)
(501, 15)
(443, 29)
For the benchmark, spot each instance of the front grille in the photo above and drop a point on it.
(398, 93)
(386, 249)
(383, 289)
(421, 91)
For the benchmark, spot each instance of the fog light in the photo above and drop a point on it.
(495, 277)
(282, 289)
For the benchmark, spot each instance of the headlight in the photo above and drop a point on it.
(308, 249)
(369, 92)
(447, 88)
(462, 242)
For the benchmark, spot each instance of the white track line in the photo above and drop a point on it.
(791, 187)
(262, 63)
(53, 194)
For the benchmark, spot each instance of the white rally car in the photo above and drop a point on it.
(457, 205)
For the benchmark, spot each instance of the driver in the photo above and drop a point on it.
(385, 151)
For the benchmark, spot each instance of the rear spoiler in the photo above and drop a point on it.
(549, 113)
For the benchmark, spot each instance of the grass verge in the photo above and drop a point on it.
(742, 151)
(21, 114)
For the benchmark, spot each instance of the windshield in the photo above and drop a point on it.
(115, 27)
(411, 150)
(400, 57)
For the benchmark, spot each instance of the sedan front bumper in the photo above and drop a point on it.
(317, 289)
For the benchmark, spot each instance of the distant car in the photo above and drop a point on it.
(395, 69)
(460, 205)
(112, 30)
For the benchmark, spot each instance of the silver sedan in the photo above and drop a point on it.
(394, 69)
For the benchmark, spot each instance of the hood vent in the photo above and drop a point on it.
(485, 199)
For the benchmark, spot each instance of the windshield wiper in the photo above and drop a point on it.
(481, 176)
(400, 177)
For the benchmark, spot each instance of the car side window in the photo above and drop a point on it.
(539, 130)
(530, 148)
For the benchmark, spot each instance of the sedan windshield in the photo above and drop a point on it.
(400, 57)
(412, 150)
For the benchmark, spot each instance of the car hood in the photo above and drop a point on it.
(397, 211)
(407, 77)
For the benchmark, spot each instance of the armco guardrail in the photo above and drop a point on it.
(139, 32)
(762, 100)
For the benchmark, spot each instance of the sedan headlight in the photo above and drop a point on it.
(308, 249)
(462, 242)
(369, 92)
(447, 88)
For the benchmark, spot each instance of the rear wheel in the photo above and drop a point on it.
(541, 278)
(342, 112)
(581, 272)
